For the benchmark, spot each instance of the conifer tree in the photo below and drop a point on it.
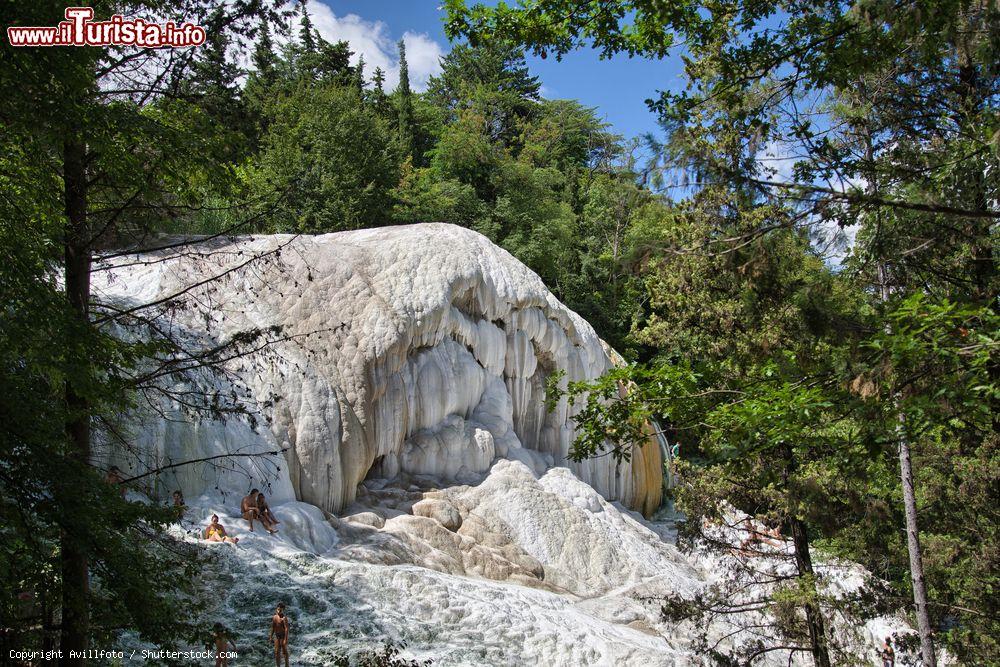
(213, 76)
(122, 159)
(886, 121)
(264, 58)
(378, 81)
(359, 77)
(404, 101)
(379, 100)
(307, 33)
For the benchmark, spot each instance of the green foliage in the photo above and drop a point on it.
(332, 160)
(404, 103)
(46, 494)
(567, 135)
(387, 656)
(213, 84)
(937, 364)
(307, 33)
(87, 166)
(785, 379)
(423, 196)
(494, 82)
(540, 24)
(798, 118)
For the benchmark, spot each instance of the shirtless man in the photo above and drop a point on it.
(248, 508)
(279, 634)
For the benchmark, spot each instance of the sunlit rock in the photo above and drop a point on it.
(415, 350)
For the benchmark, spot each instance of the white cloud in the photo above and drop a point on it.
(373, 40)
(778, 162)
(834, 243)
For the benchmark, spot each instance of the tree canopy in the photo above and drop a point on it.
(802, 279)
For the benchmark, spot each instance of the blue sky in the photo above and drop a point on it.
(617, 87)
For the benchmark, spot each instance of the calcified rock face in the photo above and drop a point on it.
(420, 350)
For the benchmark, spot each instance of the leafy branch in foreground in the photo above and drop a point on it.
(869, 128)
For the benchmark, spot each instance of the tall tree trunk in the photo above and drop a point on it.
(928, 659)
(927, 655)
(75, 616)
(803, 564)
(814, 616)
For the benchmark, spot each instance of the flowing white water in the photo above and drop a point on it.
(351, 586)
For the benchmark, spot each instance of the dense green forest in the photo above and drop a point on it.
(850, 403)
(318, 145)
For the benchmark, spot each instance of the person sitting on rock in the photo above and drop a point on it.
(264, 513)
(179, 501)
(216, 532)
(248, 507)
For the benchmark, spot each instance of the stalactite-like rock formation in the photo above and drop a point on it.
(419, 350)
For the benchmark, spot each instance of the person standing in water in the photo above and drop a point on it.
(279, 634)
(223, 645)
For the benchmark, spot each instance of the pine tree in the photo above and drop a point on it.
(264, 59)
(81, 545)
(378, 80)
(261, 82)
(213, 84)
(307, 33)
(924, 228)
(379, 100)
(404, 97)
(213, 75)
(359, 77)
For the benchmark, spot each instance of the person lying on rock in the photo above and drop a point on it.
(264, 513)
(280, 630)
(216, 532)
(248, 507)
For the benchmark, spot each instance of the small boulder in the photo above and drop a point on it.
(367, 519)
(441, 511)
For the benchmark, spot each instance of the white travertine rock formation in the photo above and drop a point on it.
(520, 569)
(550, 531)
(421, 349)
(407, 388)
